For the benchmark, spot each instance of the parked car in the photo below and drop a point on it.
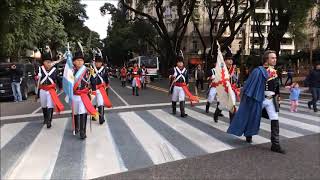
(28, 84)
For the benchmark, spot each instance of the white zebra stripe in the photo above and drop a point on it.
(101, 157)
(159, 149)
(8, 131)
(220, 125)
(38, 163)
(203, 140)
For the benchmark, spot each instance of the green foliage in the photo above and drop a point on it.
(26, 24)
(125, 36)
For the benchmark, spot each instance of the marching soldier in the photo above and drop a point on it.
(101, 78)
(84, 83)
(135, 83)
(47, 80)
(233, 81)
(179, 86)
(123, 76)
(212, 88)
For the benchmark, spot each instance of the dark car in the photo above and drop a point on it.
(28, 84)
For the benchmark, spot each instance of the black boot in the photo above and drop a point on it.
(231, 114)
(83, 123)
(133, 90)
(92, 118)
(309, 104)
(174, 107)
(45, 115)
(101, 114)
(220, 112)
(137, 91)
(207, 107)
(76, 123)
(216, 114)
(249, 139)
(182, 110)
(275, 143)
(49, 120)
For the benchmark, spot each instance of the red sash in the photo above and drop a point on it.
(191, 97)
(86, 101)
(84, 97)
(106, 100)
(54, 96)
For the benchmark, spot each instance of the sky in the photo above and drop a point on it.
(96, 21)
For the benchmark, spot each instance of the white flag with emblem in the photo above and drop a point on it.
(225, 94)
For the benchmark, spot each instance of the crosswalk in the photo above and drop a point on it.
(130, 140)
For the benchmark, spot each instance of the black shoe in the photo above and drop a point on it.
(216, 114)
(50, 114)
(309, 105)
(101, 114)
(45, 115)
(76, 123)
(249, 139)
(174, 107)
(182, 109)
(277, 149)
(207, 107)
(83, 127)
(275, 142)
(231, 115)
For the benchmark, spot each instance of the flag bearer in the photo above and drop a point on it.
(84, 84)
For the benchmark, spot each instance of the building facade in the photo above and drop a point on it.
(192, 45)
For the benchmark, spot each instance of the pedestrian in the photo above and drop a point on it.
(294, 96)
(313, 81)
(47, 80)
(261, 91)
(144, 73)
(212, 88)
(290, 76)
(199, 75)
(16, 79)
(179, 86)
(83, 85)
(101, 78)
(123, 76)
(135, 82)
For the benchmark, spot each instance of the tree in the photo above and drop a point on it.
(181, 10)
(127, 36)
(286, 15)
(28, 24)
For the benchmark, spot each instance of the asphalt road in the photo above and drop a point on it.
(143, 140)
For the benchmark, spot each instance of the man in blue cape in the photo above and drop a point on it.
(259, 92)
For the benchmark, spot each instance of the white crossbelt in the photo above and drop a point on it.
(177, 70)
(47, 75)
(97, 73)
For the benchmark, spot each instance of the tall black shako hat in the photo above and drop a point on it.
(180, 57)
(98, 56)
(46, 55)
(228, 54)
(78, 53)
